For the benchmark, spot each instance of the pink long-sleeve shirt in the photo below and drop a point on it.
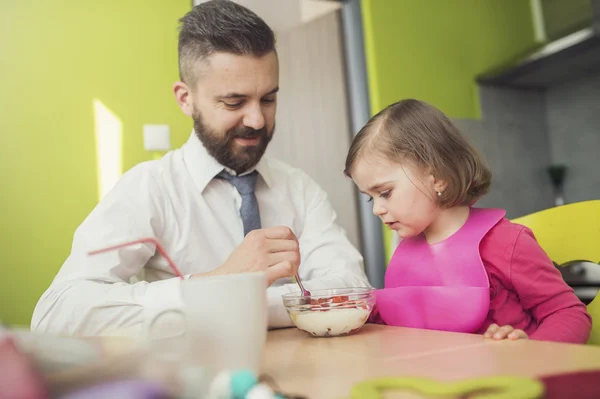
(527, 292)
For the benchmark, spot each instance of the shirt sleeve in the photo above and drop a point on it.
(92, 295)
(328, 259)
(559, 314)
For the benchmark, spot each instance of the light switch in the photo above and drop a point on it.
(157, 138)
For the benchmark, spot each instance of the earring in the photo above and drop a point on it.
(439, 193)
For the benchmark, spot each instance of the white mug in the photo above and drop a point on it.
(225, 321)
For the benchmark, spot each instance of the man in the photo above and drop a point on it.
(217, 205)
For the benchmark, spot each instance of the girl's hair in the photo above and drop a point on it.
(414, 131)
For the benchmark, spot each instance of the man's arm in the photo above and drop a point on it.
(328, 259)
(91, 295)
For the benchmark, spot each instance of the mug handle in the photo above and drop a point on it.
(161, 314)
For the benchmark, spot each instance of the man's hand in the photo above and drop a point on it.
(272, 250)
(505, 332)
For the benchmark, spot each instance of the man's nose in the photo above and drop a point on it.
(254, 117)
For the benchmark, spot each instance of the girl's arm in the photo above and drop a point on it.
(559, 314)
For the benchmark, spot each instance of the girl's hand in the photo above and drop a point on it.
(505, 332)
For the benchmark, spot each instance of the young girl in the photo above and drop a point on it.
(457, 268)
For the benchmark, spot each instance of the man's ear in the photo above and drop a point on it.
(183, 96)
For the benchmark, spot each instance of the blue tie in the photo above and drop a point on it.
(245, 186)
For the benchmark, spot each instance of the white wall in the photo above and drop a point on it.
(313, 126)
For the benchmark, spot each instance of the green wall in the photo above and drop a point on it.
(433, 49)
(57, 57)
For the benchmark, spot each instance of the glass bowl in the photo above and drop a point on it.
(331, 312)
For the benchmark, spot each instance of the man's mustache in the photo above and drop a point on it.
(248, 134)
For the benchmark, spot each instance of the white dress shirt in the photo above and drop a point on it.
(196, 217)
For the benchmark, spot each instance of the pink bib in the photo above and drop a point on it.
(443, 286)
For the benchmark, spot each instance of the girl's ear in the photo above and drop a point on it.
(439, 185)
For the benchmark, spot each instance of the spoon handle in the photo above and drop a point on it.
(305, 292)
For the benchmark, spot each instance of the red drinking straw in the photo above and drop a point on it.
(140, 241)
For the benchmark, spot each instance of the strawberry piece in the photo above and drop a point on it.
(324, 307)
(340, 299)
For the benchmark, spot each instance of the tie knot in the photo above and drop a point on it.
(244, 184)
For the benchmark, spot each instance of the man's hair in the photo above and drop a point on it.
(220, 26)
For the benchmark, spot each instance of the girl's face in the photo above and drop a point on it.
(403, 196)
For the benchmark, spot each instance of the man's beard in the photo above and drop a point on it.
(226, 151)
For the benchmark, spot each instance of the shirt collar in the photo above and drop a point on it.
(203, 167)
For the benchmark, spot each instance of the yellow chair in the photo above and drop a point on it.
(570, 232)
(567, 232)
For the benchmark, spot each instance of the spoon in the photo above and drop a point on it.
(305, 292)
